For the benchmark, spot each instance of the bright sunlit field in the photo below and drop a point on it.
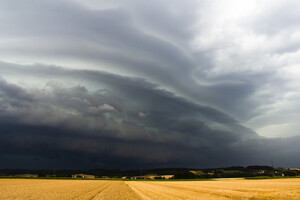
(102, 189)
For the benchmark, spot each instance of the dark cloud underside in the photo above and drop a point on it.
(54, 122)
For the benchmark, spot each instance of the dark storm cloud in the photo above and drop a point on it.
(13, 91)
(128, 38)
(58, 121)
(119, 38)
(160, 83)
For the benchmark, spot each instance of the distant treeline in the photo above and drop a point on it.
(113, 173)
(236, 171)
(179, 173)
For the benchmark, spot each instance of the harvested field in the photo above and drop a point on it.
(221, 189)
(98, 189)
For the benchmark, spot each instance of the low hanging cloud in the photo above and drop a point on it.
(160, 83)
(57, 122)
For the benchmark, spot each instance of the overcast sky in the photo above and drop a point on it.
(161, 83)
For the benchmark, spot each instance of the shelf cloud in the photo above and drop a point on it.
(130, 84)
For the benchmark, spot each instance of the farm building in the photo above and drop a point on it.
(294, 169)
(82, 176)
(153, 176)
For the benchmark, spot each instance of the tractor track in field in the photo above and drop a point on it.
(93, 197)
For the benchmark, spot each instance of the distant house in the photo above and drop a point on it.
(27, 175)
(294, 169)
(82, 176)
(167, 176)
(153, 176)
(261, 172)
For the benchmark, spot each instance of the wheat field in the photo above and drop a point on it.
(102, 189)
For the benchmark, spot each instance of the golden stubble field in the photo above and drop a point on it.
(102, 189)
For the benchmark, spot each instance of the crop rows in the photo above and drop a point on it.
(101, 189)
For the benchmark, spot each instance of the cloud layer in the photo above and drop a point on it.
(127, 83)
